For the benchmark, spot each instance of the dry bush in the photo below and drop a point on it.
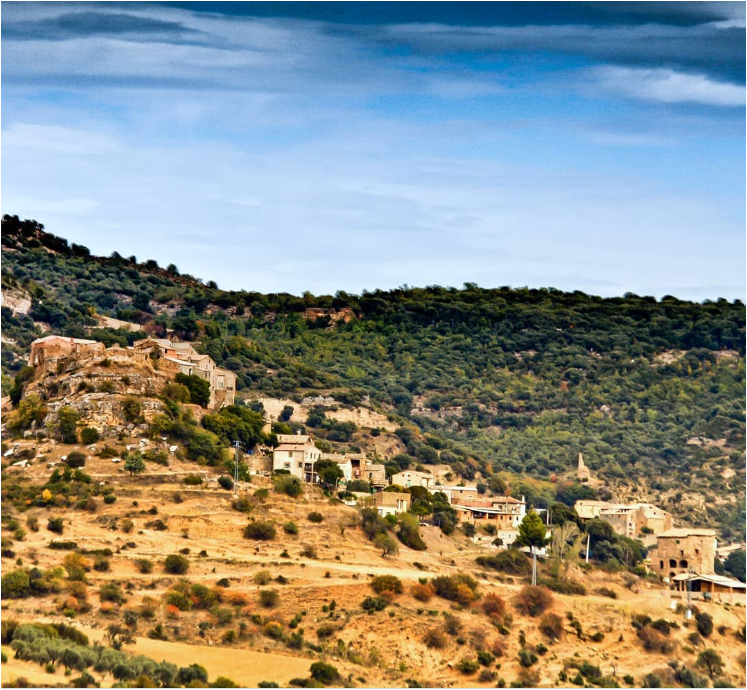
(551, 625)
(435, 639)
(387, 583)
(237, 599)
(533, 601)
(498, 648)
(494, 606)
(527, 678)
(452, 624)
(654, 641)
(422, 592)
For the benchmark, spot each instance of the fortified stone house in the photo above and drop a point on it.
(49, 352)
(679, 550)
(182, 358)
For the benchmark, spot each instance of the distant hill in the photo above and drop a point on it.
(485, 380)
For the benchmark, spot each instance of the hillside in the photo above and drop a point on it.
(503, 385)
(264, 610)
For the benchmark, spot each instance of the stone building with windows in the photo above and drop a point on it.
(684, 550)
(297, 454)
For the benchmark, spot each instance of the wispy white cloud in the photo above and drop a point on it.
(56, 139)
(668, 86)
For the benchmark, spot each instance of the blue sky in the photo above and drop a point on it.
(350, 146)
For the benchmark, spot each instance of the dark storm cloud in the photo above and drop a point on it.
(89, 24)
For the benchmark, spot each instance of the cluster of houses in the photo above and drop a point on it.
(173, 358)
(684, 557)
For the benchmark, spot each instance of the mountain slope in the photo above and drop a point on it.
(488, 381)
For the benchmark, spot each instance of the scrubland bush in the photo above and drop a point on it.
(468, 666)
(225, 482)
(315, 516)
(262, 577)
(269, 598)
(386, 583)
(56, 525)
(89, 435)
(111, 591)
(494, 606)
(654, 641)
(533, 601)
(290, 527)
(288, 485)
(176, 564)
(551, 625)
(510, 561)
(461, 588)
(260, 530)
(144, 565)
(192, 480)
(75, 459)
(435, 639)
(422, 592)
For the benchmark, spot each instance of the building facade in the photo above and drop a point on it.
(682, 551)
(297, 454)
(391, 503)
(408, 478)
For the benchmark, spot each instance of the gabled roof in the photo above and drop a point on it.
(688, 532)
(295, 439)
(49, 338)
(716, 579)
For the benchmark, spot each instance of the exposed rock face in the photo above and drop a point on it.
(17, 302)
(104, 412)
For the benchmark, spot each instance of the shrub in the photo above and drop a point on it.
(704, 623)
(452, 625)
(109, 499)
(372, 604)
(485, 658)
(386, 583)
(487, 676)
(409, 532)
(290, 527)
(55, 525)
(551, 625)
(315, 516)
(710, 661)
(435, 639)
(654, 641)
(243, 505)
(144, 565)
(101, 564)
(533, 601)
(260, 531)
(422, 592)
(176, 564)
(192, 480)
(111, 592)
(324, 673)
(262, 577)
(190, 674)
(32, 522)
(178, 599)
(289, 485)
(15, 584)
(269, 598)
(651, 680)
(455, 587)
(662, 626)
(468, 666)
(494, 606)
(387, 545)
(75, 459)
(527, 658)
(563, 586)
(308, 551)
(89, 435)
(127, 525)
(225, 482)
(510, 561)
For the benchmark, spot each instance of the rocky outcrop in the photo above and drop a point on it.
(17, 302)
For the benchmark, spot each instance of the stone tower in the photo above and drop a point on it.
(583, 472)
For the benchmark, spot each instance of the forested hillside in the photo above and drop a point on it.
(517, 380)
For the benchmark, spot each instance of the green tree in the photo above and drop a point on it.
(67, 418)
(532, 533)
(387, 545)
(134, 463)
(735, 564)
(199, 389)
(710, 661)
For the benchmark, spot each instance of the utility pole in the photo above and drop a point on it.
(237, 446)
(588, 543)
(534, 567)
(689, 611)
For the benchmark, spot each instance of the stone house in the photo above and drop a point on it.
(456, 494)
(408, 478)
(684, 550)
(47, 352)
(375, 475)
(297, 454)
(504, 512)
(182, 358)
(635, 520)
(391, 503)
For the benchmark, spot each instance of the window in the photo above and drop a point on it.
(683, 564)
(672, 563)
(661, 565)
